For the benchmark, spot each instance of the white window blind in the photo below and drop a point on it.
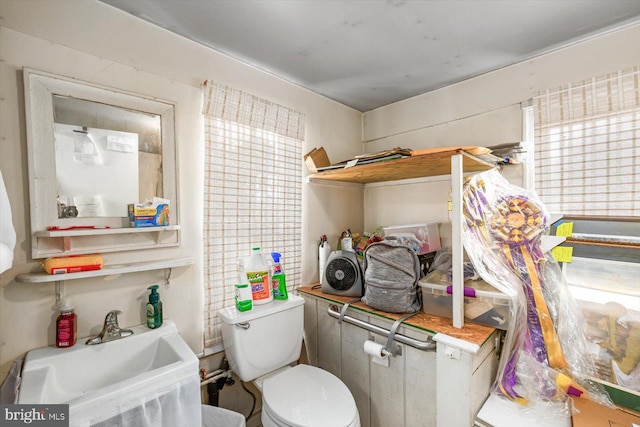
(253, 191)
(587, 146)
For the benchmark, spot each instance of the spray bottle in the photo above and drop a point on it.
(278, 279)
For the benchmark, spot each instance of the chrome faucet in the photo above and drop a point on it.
(110, 331)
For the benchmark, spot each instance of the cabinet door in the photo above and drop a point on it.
(464, 381)
(355, 365)
(329, 346)
(387, 385)
(419, 383)
(310, 329)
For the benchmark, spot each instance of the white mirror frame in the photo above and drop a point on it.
(39, 90)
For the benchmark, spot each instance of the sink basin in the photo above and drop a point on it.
(101, 381)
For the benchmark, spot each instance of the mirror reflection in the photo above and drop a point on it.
(105, 157)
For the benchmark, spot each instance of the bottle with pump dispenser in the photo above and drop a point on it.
(257, 271)
(154, 308)
(278, 279)
(66, 325)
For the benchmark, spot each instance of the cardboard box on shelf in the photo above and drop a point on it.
(316, 158)
(591, 414)
(153, 213)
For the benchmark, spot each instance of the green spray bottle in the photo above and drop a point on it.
(154, 308)
(278, 279)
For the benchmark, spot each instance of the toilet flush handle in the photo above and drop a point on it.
(243, 325)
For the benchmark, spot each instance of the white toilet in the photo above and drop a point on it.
(261, 344)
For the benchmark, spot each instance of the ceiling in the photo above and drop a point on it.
(369, 53)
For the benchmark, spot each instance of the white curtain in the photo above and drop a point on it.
(587, 146)
(253, 191)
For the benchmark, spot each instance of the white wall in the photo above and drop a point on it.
(91, 41)
(484, 111)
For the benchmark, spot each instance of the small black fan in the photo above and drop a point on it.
(342, 275)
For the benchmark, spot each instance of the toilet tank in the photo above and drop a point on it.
(263, 339)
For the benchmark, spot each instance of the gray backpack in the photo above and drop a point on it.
(391, 275)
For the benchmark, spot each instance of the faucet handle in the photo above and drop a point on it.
(112, 317)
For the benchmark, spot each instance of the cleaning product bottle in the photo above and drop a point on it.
(257, 271)
(324, 250)
(66, 325)
(244, 301)
(154, 308)
(242, 274)
(278, 279)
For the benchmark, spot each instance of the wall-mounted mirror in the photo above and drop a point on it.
(94, 149)
(120, 149)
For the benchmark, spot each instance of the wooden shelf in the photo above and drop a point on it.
(424, 165)
(107, 270)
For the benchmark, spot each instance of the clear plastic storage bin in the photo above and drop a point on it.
(483, 303)
(424, 237)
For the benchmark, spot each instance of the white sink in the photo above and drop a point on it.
(102, 380)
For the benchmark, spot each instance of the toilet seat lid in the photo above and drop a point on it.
(306, 396)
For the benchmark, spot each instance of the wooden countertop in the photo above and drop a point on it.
(472, 333)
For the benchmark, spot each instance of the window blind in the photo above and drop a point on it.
(253, 191)
(587, 146)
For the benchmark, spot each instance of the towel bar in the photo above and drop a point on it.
(428, 345)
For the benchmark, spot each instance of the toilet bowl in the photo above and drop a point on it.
(260, 346)
(307, 396)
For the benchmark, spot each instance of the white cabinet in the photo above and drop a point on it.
(442, 388)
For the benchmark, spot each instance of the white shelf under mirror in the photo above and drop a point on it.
(79, 242)
(107, 270)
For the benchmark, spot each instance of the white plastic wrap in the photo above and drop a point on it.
(546, 355)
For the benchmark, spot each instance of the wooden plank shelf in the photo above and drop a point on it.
(433, 164)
